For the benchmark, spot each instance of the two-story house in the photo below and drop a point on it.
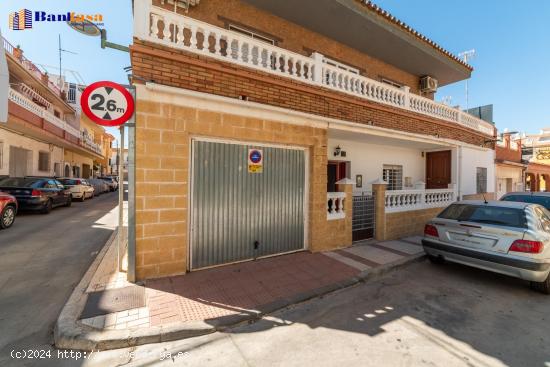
(266, 127)
(42, 135)
(536, 153)
(510, 168)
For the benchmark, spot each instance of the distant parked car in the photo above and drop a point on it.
(80, 188)
(8, 209)
(99, 186)
(541, 198)
(34, 193)
(505, 237)
(113, 184)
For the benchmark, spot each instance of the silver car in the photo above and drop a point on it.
(510, 238)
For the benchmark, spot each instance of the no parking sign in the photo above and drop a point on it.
(255, 161)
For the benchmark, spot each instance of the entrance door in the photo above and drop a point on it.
(438, 169)
(239, 215)
(19, 162)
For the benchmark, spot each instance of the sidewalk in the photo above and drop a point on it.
(205, 301)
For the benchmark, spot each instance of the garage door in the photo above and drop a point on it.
(241, 212)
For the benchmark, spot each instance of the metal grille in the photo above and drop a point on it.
(393, 175)
(363, 219)
(481, 180)
(237, 215)
(71, 94)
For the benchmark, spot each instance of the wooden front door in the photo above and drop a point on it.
(438, 169)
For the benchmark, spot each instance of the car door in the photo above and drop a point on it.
(55, 192)
(63, 193)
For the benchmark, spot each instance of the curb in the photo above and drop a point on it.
(70, 334)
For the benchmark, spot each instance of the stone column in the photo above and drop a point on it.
(379, 193)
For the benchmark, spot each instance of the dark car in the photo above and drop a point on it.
(541, 198)
(8, 210)
(37, 194)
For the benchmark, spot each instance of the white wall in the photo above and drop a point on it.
(368, 159)
(470, 160)
(11, 139)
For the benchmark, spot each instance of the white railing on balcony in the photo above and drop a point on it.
(167, 28)
(336, 205)
(407, 200)
(29, 105)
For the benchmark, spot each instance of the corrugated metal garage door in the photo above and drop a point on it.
(237, 215)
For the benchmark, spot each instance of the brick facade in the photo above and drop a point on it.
(182, 69)
(409, 223)
(163, 136)
(506, 153)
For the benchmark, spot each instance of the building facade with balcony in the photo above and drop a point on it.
(42, 128)
(536, 153)
(510, 168)
(268, 127)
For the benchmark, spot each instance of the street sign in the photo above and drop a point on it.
(107, 103)
(255, 161)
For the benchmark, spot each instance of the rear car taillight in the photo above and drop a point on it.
(530, 247)
(78, 182)
(430, 230)
(36, 193)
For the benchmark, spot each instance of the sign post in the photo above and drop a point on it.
(111, 104)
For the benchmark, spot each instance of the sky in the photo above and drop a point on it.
(511, 39)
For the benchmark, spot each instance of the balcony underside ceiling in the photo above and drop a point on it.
(350, 23)
(371, 139)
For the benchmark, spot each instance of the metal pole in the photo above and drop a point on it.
(120, 198)
(131, 275)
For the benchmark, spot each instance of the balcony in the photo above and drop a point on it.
(87, 142)
(166, 28)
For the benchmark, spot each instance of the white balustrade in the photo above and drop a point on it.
(336, 205)
(29, 105)
(407, 200)
(167, 28)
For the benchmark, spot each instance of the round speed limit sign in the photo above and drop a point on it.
(107, 103)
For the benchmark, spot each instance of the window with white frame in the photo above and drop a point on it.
(481, 180)
(43, 161)
(251, 34)
(393, 175)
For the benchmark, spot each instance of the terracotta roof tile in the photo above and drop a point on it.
(378, 10)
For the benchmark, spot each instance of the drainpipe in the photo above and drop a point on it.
(459, 180)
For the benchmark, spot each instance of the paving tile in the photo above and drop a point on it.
(374, 254)
(401, 246)
(355, 264)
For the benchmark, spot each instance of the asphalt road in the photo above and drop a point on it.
(421, 315)
(42, 258)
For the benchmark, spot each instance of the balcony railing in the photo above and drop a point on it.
(336, 208)
(86, 141)
(167, 28)
(29, 105)
(407, 200)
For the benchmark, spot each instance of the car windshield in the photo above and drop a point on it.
(69, 182)
(22, 182)
(532, 199)
(486, 214)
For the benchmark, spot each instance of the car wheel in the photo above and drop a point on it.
(435, 259)
(69, 201)
(543, 287)
(47, 207)
(7, 217)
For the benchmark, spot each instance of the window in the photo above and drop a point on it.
(43, 161)
(485, 214)
(251, 34)
(481, 180)
(393, 175)
(533, 199)
(392, 83)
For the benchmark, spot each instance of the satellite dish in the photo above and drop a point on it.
(85, 27)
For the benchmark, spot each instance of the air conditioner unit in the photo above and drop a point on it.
(428, 84)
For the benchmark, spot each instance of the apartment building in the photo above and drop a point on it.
(266, 127)
(510, 168)
(43, 129)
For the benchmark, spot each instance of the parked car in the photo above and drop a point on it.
(501, 236)
(34, 193)
(80, 188)
(8, 210)
(541, 198)
(113, 184)
(99, 186)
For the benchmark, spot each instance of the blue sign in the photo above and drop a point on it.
(255, 156)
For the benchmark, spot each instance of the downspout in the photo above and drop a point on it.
(459, 181)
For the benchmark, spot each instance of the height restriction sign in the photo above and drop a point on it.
(107, 103)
